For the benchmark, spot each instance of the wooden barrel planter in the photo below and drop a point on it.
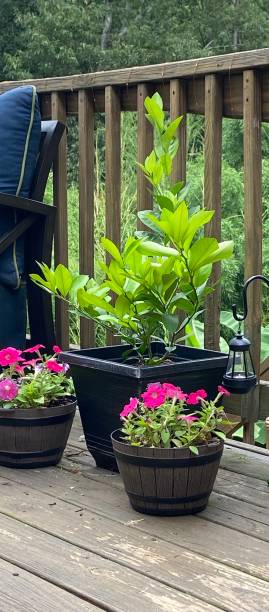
(170, 481)
(35, 437)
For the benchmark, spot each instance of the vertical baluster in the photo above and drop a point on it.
(212, 198)
(253, 231)
(113, 171)
(178, 106)
(144, 147)
(58, 108)
(86, 199)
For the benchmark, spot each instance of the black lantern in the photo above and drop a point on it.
(240, 375)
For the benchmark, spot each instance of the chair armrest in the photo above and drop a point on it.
(26, 204)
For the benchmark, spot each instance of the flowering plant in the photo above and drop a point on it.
(160, 419)
(32, 382)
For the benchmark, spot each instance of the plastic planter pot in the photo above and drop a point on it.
(104, 383)
(35, 437)
(167, 481)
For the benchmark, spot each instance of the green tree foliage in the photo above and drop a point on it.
(56, 37)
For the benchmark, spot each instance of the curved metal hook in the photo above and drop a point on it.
(245, 304)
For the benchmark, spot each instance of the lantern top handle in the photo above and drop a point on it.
(238, 317)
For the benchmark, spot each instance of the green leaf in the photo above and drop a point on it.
(155, 113)
(166, 201)
(220, 435)
(177, 187)
(171, 130)
(208, 250)
(196, 222)
(177, 443)
(148, 247)
(165, 435)
(143, 215)
(86, 299)
(112, 249)
(122, 306)
(63, 280)
(78, 282)
(194, 450)
(166, 162)
(170, 322)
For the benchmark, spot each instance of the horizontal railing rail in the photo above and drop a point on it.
(235, 86)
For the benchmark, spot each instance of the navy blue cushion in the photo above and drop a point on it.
(20, 132)
(13, 317)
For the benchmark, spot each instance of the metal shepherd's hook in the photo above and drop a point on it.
(241, 318)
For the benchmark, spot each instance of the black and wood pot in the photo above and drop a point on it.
(167, 482)
(104, 383)
(35, 437)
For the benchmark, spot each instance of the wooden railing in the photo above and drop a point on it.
(235, 86)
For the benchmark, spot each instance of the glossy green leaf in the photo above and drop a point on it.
(63, 280)
(194, 450)
(148, 247)
(112, 249)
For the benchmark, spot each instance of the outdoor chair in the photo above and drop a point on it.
(28, 148)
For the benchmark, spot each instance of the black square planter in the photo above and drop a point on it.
(103, 384)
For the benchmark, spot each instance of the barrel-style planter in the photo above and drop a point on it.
(170, 481)
(35, 437)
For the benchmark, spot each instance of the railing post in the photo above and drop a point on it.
(113, 171)
(86, 199)
(144, 147)
(212, 197)
(253, 232)
(58, 111)
(178, 106)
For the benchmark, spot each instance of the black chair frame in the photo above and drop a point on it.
(38, 225)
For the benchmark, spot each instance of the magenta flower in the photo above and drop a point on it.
(173, 391)
(31, 362)
(224, 391)
(188, 417)
(128, 408)
(34, 349)
(196, 396)
(19, 369)
(8, 389)
(56, 349)
(154, 396)
(9, 356)
(54, 366)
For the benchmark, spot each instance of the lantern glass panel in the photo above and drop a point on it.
(236, 365)
(249, 366)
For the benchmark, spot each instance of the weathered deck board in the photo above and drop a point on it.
(21, 591)
(90, 575)
(98, 552)
(152, 558)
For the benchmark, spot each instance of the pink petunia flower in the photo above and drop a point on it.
(196, 396)
(19, 369)
(154, 396)
(173, 391)
(56, 349)
(8, 389)
(188, 417)
(9, 356)
(128, 408)
(31, 362)
(54, 366)
(224, 391)
(34, 349)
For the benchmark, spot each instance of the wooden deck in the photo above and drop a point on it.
(69, 541)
